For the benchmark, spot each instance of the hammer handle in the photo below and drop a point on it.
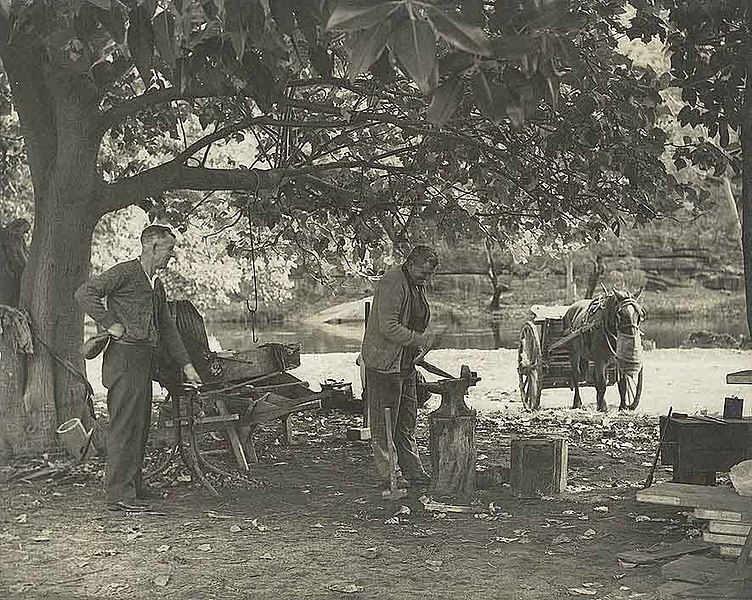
(390, 449)
(434, 369)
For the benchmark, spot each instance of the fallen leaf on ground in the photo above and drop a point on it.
(601, 509)
(163, 548)
(582, 591)
(266, 556)
(561, 539)
(204, 547)
(345, 588)
(235, 528)
(22, 518)
(162, 580)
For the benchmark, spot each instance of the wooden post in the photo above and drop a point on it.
(452, 440)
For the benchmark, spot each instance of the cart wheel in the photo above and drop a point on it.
(530, 366)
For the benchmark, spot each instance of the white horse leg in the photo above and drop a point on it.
(621, 383)
(574, 375)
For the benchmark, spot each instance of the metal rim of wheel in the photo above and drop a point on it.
(530, 366)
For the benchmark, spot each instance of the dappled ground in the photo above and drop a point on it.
(310, 524)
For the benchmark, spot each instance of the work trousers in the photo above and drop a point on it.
(398, 392)
(126, 373)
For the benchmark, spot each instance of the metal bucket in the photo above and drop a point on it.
(76, 439)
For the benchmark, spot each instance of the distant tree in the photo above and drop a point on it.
(711, 63)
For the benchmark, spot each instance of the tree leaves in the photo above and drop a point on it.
(492, 99)
(351, 15)
(366, 46)
(445, 100)
(459, 32)
(414, 44)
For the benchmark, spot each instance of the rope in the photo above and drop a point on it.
(75, 372)
(253, 311)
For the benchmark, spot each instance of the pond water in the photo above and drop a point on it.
(318, 339)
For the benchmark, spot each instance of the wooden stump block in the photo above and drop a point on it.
(538, 466)
(452, 448)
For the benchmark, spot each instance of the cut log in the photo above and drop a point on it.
(452, 448)
(538, 466)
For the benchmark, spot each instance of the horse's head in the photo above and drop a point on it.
(623, 312)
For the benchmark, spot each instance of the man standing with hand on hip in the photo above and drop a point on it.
(135, 315)
(395, 336)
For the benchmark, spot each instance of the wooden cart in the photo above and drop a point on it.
(241, 390)
(543, 360)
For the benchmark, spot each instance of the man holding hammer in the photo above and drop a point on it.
(395, 337)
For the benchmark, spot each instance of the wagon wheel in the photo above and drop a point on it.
(530, 366)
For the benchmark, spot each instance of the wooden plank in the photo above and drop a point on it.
(740, 377)
(729, 551)
(729, 528)
(730, 590)
(697, 496)
(726, 540)
(644, 557)
(717, 515)
(232, 436)
(698, 569)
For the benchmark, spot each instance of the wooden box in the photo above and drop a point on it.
(247, 364)
(538, 466)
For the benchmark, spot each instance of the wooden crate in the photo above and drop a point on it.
(247, 364)
(538, 466)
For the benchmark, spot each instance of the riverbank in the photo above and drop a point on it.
(469, 309)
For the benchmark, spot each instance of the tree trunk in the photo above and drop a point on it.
(571, 285)
(58, 264)
(58, 115)
(493, 275)
(746, 200)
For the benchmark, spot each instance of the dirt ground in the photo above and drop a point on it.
(309, 522)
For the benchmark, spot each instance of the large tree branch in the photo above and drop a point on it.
(133, 106)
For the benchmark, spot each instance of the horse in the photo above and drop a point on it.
(609, 328)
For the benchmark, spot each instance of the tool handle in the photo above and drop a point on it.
(649, 480)
(390, 449)
(433, 369)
